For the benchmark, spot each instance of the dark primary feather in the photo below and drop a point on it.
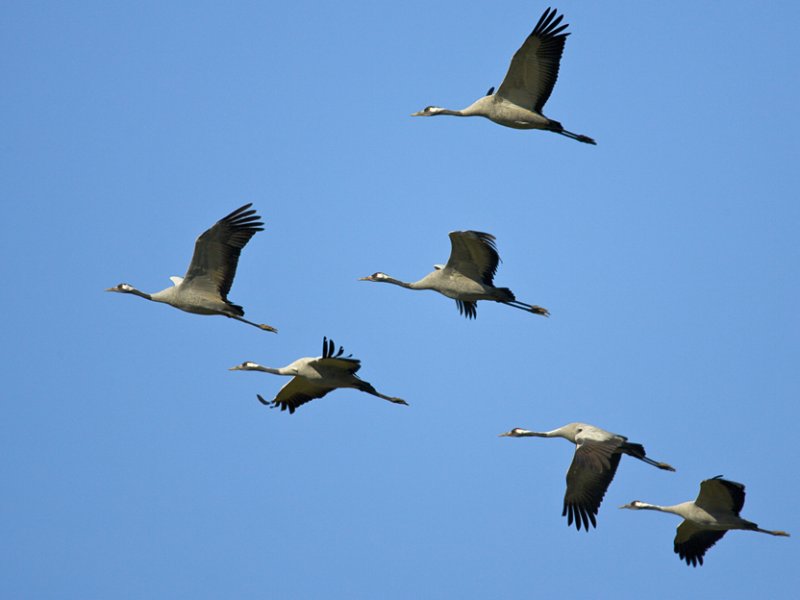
(328, 346)
(534, 68)
(692, 542)
(217, 250)
(467, 308)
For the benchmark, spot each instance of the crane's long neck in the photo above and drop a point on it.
(567, 432)
(405, 284)
(456, 113)
(263, 369)
(526, 433)
(141, 294)
(676, 509)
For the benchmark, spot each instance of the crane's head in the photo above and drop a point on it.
(123, 288)
(635, 505)
(516, 432)
(246, 366)
(375, 277)
(429, 111)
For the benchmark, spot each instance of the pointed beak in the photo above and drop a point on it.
(364, 279)
(236, 368)
(418, 114)
(506, 434)
(110, 289)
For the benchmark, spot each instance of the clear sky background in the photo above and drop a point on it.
(135, 465)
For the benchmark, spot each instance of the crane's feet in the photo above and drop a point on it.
(397, 401)
(540, 311)
(267, 328)
(665, 466)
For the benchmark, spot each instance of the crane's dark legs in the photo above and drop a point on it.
(260, 326)
(367, 387)
(576, 136)
(655, 463)
(637, 451)
(780, 533)
(538, 310)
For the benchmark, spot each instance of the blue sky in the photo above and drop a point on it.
(137, 466)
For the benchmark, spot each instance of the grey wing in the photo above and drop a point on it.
(692, 541)
(337, 365)
(592, 469)
(297, 392)
(474, 255)
(534, 68)
(217, 250)
(333, 361)
(720, 494)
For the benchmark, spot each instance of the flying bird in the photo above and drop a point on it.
(715, 511)
(314, 377)
(596, 459)
(531, 76)
(467, 277)
(204, 289)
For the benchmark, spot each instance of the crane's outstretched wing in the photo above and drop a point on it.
(588, 478)
(334, 361)
(534, 68)
(297, 392)
(692, 541)
(217, 250)
(720, 494)
(473, 254)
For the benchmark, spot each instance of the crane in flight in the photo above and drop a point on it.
(528, 83)
(714, 512)
(203, 290)
(467, 277)
(314, 377)
(597, 455)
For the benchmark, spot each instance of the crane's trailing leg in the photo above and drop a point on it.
(577, 136)
(538, 310)
(367, 387)
(637, 451)
(259, 325)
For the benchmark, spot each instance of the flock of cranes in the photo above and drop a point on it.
(467, 277)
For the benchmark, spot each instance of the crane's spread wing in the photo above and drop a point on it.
(217, 250)
(588, 478)
(297, 392)
(534, 68)
(474, 255)
(692, 541)
(333, 361)
(720, 494)
(338, 364)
